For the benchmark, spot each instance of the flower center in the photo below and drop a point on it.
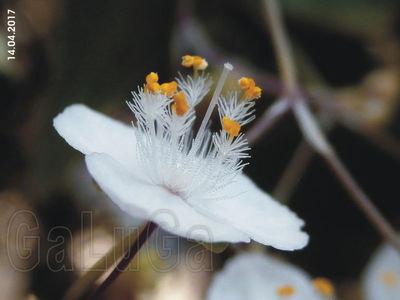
(324, 286)
(285, 290)
(389, 278)
(165, 114)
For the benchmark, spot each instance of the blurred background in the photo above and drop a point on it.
(96, 52)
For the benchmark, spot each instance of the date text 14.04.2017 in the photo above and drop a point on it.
(11, 32)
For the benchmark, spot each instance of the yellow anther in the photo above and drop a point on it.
(197, 62)
(153, 87)
(231, 127)
(324, 286)
(285, 290)
(151, 83)
(151, 78)
(187, 61)
(253, 93)
(246, 82)
(169, 88)
(180, 106)
(389, 278)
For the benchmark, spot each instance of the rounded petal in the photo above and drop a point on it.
(381, 279)
(89, 131)
(253, 276)
(146, 200)
(249, 209)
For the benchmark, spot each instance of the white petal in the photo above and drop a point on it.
(145, 200)
(386, 262)
(89, 131)
(246, 207)
(254, 276)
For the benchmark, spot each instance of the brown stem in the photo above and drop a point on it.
(299, 162)
(282, 48)
(126, 259)
(83, 284)
(362, 200)
(327, 102)
(276, 111)
(311, 130)
(293, 172)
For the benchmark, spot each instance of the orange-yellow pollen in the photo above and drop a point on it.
(232, 127)
(187, 61)
(197, 62)
(246, 82)
(324, 286)
(169, 88)
(153, 86)
(389, 278)
(252, 91)
(180, 105)
(151, 78)
(151, 83)
(285, 290)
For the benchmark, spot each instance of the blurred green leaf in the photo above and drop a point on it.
(215, 247)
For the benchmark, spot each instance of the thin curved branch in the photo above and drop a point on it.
(310, 128)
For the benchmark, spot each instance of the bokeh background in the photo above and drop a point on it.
(96, 52)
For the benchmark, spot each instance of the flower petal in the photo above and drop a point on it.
(89, 131)
(381, 279)
(146, 200)
(246, 207)
(254, 276)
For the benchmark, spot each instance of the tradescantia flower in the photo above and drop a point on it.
(254, 276)
(160, 170)
(381, 279)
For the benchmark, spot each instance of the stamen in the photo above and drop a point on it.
(152, 83)
(165, 117)
(324, 286)
(197, 62)
(389, 278)
(285, 290)
(180, 107)
(253, 93)
(227, 68)
(169, 88)
(232, 127)
(151, 78)
(246, 82)
(187, 61)
(153, 87)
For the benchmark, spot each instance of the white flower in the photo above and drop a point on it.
(256, 276)
(381, 279)
(191, 185)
